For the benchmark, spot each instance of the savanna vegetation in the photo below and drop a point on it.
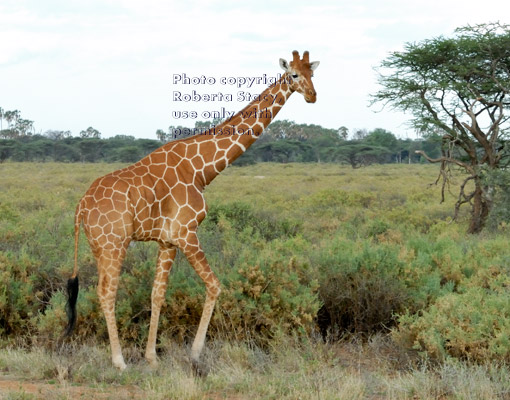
(282, 142)
(337, 283)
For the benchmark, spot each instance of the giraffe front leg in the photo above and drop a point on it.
(196, 258)
(165, 259)
(213, 291)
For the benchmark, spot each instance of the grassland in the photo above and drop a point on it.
(431, 305)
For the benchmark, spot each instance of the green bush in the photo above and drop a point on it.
(360, 287)
(18, 297)
(272, 291)
(242, 215)
(474, 325)
(463, 301)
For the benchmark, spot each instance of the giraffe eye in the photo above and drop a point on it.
(294, 76)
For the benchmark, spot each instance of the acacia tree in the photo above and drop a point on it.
(458, 87)
(11, 116)
(24, 127)
(90, 133)
(161, 135)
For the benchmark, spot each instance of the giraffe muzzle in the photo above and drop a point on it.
(311, 96)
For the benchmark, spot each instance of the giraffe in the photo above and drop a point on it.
(160, 198)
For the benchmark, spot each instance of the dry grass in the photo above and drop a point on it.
(290, 369)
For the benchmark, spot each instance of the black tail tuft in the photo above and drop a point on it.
(72, 296)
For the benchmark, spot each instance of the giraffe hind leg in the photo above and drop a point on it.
(109, 264)
(165, 259)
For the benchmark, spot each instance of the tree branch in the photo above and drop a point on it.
(433, 112)
(463, 198)
(468, 167)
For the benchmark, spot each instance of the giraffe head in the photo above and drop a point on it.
(300, 72)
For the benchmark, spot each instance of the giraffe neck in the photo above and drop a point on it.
(238, 133)
(256, 116)
(200, 158)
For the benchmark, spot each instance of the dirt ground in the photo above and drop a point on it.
(14, 387)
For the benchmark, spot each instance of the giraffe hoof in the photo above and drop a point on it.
(121, 367)
(153, 362)
(120, 364)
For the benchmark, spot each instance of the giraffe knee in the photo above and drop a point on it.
(158, 298)
(214, 289)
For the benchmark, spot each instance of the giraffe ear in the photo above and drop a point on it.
(314, 65)
(284, 64)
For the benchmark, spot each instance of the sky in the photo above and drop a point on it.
(113, 64)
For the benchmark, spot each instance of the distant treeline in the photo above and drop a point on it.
(283, 141)
(76, 149)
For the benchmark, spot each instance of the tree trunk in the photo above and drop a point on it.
(479, 211)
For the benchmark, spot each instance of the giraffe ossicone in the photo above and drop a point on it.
(160, 199)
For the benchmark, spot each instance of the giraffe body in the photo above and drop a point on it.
(160, 198)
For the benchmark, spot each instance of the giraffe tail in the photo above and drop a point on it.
(72, 283)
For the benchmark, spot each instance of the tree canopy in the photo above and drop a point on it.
(458, 88)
